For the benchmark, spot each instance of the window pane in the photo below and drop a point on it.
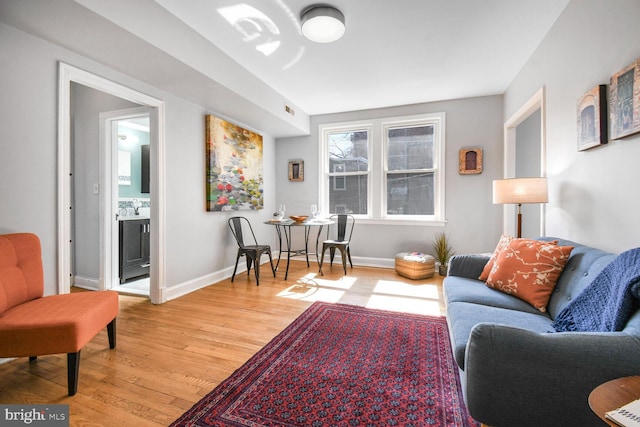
(410, 148)
(348, 194)
(350, 149)
(410, 194)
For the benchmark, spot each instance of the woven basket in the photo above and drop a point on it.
(415, 265)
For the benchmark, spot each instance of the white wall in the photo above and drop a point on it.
(198, 243)
(474, 224)
(592, 196)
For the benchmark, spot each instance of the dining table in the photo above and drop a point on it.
(286, 226)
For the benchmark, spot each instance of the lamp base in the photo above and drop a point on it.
(519, 220)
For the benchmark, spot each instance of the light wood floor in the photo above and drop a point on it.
(169, 356)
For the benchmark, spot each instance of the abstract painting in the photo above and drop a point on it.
(233, 167)
(625, 101)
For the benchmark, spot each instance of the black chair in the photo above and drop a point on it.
(342, 229)
(253, 252)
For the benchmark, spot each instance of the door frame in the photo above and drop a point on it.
(537, 101)
(68, 74)
(109, 236)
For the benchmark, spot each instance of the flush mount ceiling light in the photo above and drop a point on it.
(322, 24)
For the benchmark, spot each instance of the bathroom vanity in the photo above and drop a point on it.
(134, 248)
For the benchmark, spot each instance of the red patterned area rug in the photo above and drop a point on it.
(343, 365)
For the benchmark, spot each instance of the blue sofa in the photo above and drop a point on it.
(514, 371)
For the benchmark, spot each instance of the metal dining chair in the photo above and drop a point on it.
(252, 252)
(343, 230)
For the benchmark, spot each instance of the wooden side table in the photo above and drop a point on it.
(614, 394)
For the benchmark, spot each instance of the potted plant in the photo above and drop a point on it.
(443, 252)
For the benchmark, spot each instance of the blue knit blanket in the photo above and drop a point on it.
(607, 302)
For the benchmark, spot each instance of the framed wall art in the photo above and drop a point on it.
(470, 161)
(625, 101)
(233, 167)
(592, 118)
(296, 170)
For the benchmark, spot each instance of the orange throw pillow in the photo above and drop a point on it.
(529, 270)
(502, 243)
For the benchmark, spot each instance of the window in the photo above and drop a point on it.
(385, 169)
(348, 164)
(410, 173)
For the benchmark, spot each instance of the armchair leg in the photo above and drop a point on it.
(73, 368)
(32, 358)
(111, 332)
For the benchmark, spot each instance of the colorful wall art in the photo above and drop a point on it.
(233, 167)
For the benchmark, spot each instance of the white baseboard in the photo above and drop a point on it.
(86, 283)
(189, 286)
(185, 288)
(374, 262)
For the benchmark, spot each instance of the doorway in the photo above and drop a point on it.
(525, 156)
(125, 135)
(66, 238)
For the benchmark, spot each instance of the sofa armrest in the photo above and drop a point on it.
(469, 266)
(524, 378)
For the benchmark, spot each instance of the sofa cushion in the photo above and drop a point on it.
(56, 324)
(21, 274)
(469, 266)
(608, 302)
(463, 316)
(584, 264)
(474, 291)
(502, 244)
(529, 270)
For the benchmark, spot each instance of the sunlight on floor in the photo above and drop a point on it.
(393, 287)
(378, 294)
(305, 292)
(312, 288)
(405, 297)
(345, 282)
(405, 305)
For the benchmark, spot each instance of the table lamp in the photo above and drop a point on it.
(519, 191)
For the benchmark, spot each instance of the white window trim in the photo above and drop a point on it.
(377, 144)
(323, 186)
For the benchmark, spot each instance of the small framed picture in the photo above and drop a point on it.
(470, 161)
(592, 118)
(296, 170)
(625, 101)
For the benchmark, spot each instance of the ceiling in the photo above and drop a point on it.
(219, 53)
(393, 52)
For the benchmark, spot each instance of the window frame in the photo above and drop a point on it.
(325, 173)
(377, 147)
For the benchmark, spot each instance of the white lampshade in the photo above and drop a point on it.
(520, 190)
(322, 24)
